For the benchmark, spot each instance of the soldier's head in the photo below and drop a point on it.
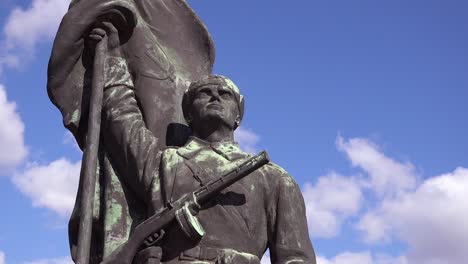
(213, 99)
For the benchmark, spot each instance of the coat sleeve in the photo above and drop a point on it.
(289, 240)
(133, 149)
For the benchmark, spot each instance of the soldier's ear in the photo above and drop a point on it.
(241, 106)
(237, 121)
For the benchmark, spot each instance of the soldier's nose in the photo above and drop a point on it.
(215, 97)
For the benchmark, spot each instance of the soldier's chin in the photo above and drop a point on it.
(215, 118)
(213, 114)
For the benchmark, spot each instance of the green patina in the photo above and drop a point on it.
(174, 160)
(204, 156)
(232, 85)
(75, 117)
(156, 187)
(113, 222)
(231, 255)
(117, 222)
(114, 214)
(97, 200)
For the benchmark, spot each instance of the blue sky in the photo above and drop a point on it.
(363, 102)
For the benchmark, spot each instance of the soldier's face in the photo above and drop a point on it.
(215, 103)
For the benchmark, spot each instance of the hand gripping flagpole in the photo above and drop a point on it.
(90, 155)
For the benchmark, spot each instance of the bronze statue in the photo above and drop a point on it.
(158, 90)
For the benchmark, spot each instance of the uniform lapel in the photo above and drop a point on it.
(188, 152)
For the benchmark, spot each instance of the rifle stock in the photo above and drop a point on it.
(127, 251)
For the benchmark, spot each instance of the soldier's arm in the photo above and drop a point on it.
(289, 240)
(133, 148)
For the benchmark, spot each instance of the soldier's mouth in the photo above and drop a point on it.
(215, 106)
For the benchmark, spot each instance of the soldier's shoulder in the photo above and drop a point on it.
(278, 175)
(275, 169)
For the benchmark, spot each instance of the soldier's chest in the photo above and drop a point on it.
(197, 171)
(236, 210)
(191, 174)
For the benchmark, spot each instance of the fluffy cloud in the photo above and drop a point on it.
(374, 228)
(52, 186)
(348, 258)
(431, 220)
(13, 149)
(69, 139)
(329, 202)
(387, 177)
(64, 260)
(409, 210)
(2, 257)
(429, 216)
(247, 139)
(25, 28)
(265, 259)
(352, 258)
(361, 258)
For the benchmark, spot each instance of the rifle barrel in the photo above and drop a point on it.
(212, 188)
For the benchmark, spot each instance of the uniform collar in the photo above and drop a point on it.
(228, 149)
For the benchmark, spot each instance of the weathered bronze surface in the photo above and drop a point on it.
(167, 130)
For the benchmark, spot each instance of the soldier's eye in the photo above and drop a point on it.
(203, 93)
(225, 94)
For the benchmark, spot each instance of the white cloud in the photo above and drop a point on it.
(247, 139)
(63, 260)
(13, 149)
(428, 216)
(375, 228)
(431, 220)
(365, 257)
(52, 186)
(347, 258)
(329, 202)
(2, 257)
(266, 258)
(69, 139)
(385, 259)
(25, 28)
(388, 177)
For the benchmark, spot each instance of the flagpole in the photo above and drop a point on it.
(90, 156)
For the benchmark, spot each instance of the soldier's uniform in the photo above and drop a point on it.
(263, 210)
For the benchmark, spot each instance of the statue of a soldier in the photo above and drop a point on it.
(263, 210)
(161, 61)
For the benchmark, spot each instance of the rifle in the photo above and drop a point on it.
(182, 210)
